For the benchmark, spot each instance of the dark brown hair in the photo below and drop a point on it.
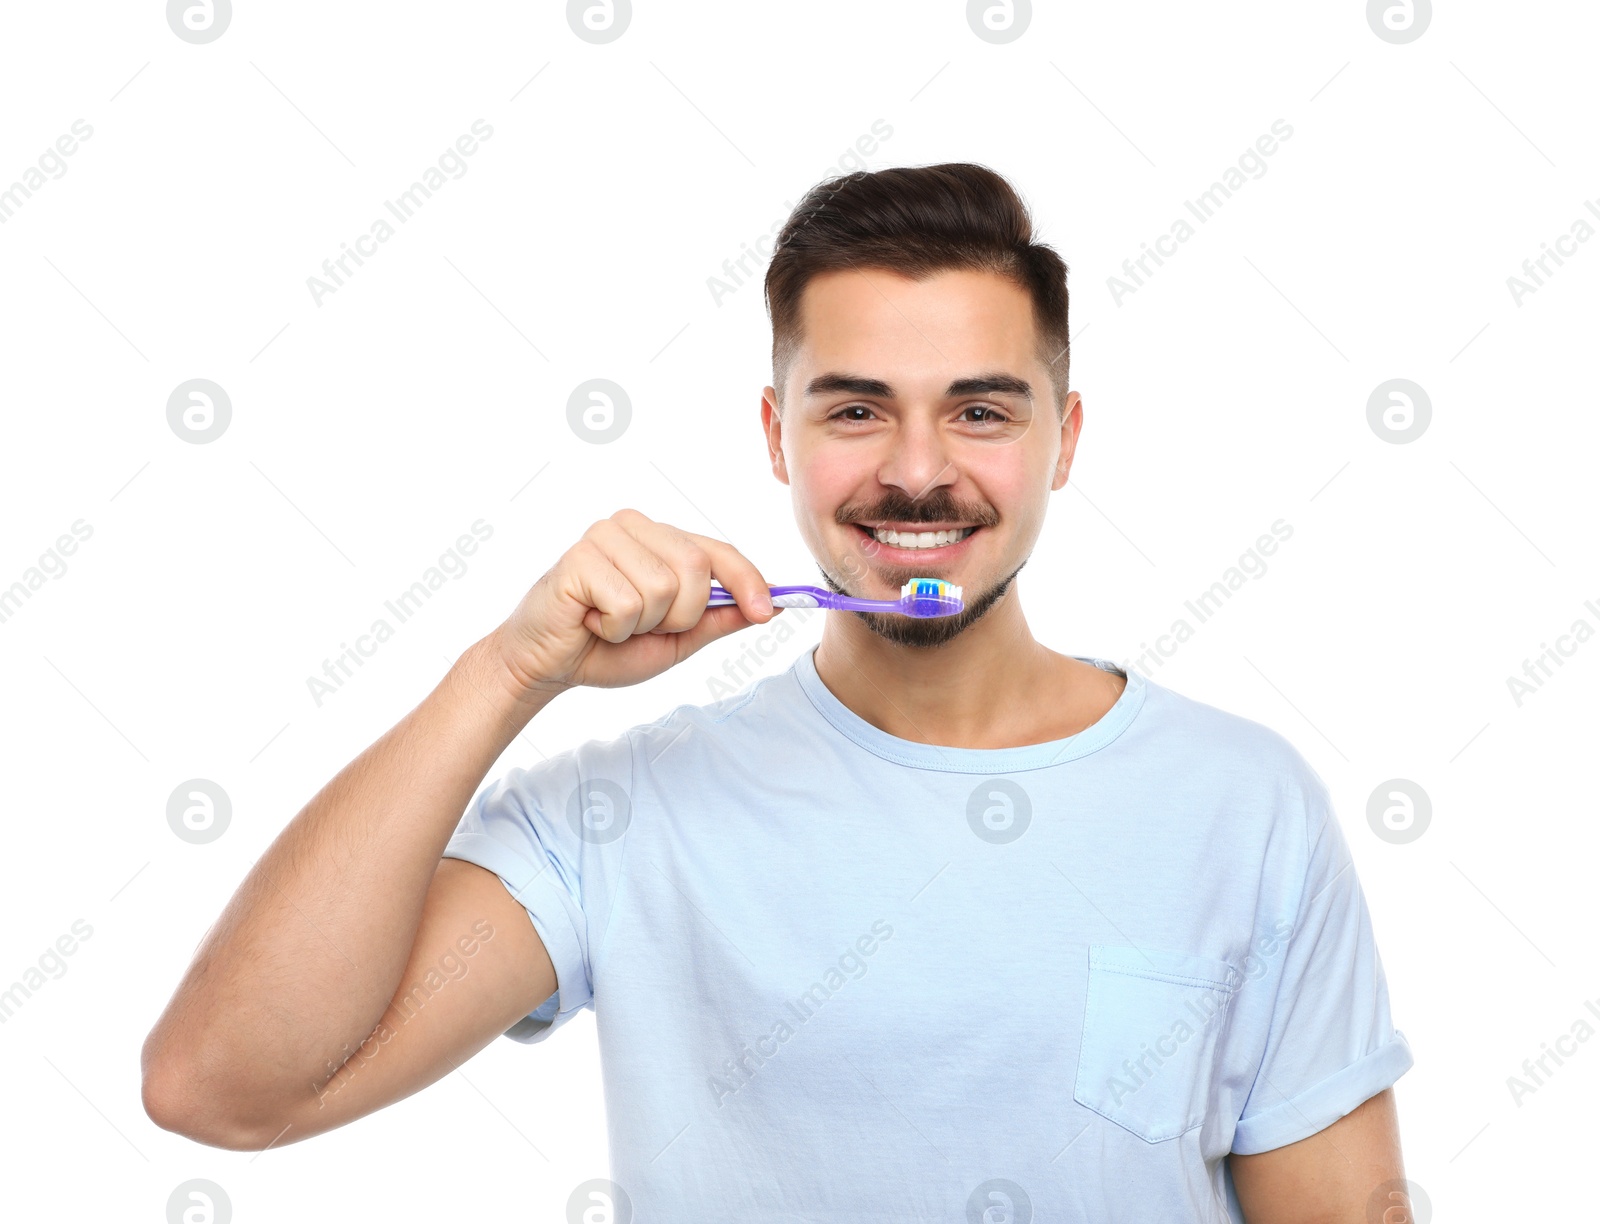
(916, 221)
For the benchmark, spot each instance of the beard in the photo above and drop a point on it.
(928, 631)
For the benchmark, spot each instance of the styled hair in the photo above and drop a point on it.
(917, 221)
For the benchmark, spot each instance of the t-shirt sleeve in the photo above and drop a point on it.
(1331, 1043)
(554, 833)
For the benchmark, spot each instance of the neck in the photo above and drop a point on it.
(993, 686)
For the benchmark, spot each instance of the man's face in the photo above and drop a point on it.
(919, 406)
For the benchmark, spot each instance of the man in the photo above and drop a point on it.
(938, 924)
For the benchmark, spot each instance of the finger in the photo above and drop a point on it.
(737, 575)
(714, 623)
(614, 604)
(691, 561)
(655, 581)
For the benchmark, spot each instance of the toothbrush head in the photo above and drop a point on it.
(930, 597)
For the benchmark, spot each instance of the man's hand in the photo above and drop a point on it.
(1329, 1177)
(625, 603)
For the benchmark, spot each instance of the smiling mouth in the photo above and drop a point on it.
(912, 540)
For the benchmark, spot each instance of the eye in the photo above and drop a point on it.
(848, 408)
(995, 415)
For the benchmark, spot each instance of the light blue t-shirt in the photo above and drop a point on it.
(842, 976)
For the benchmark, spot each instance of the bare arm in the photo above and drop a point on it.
(308, 971)
(477, 967)
(302, 964)
(1330, 1177)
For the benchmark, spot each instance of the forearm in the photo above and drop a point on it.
(299, 967)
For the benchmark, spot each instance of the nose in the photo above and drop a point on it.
(919, 459)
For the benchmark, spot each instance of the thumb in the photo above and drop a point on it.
(715, 623)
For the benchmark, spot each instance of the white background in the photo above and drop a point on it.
(370, 430)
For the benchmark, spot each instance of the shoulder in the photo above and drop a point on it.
(679, 739)
(1240, 756)
(756, 711)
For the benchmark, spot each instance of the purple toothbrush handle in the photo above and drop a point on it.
(720, 597)
(824, 599)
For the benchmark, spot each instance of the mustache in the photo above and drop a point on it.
(904, 510)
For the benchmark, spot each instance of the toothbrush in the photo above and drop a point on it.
(923, 597)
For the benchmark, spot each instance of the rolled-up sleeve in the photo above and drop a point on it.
(1331, 1044)
(551, 833)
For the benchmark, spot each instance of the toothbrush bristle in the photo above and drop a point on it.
(932, 597)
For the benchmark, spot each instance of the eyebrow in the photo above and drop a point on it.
(876, 388)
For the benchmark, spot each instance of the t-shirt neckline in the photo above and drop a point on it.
(974, 760)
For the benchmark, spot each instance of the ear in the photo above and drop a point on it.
(1071, 423)
(772, 424)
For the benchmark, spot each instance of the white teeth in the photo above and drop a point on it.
(922, 539)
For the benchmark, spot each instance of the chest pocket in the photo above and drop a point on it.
(1151, 1022)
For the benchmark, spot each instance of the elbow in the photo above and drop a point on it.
(176, 1100)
